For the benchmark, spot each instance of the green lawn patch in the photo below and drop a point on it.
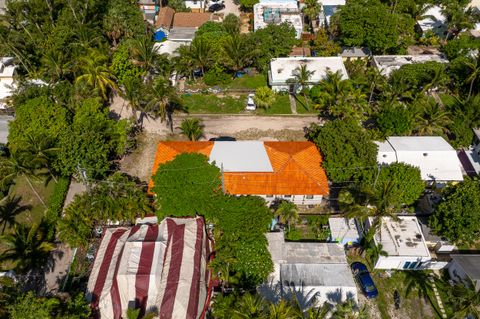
(247, 82)
(209, 103)
(22, 188)
(280, 106)
(305, 106)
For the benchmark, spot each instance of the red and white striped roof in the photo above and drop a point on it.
(160, 268)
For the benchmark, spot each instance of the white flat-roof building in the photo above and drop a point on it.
(433, 20)
(317, 268)
(344, 231)
(465, 266)
(282, 70)
(404, 243)
(7, 85)
(386, 64)
(169, 47)
(437, 160)
(277, 11)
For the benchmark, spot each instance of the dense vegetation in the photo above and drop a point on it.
(189, 186)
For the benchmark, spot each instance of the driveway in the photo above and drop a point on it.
(230, 7)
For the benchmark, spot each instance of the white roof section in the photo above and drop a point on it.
(386, 64)
(169, 47)
(241, 156)
(7, 70)
(436, 159)
(402, 238)
(343, 229)
(4, 120)
(283, 69)
(313, 264)
(433, 19)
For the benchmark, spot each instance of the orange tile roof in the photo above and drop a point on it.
(296, 169)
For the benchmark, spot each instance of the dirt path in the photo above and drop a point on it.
(218, 125)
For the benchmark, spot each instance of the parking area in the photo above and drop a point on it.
(230, 7)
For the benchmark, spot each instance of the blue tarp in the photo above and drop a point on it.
(159, 36)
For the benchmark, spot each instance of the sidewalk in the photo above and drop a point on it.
(63, 254)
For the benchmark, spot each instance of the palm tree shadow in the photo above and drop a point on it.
(298, 296)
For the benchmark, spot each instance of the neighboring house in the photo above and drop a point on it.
(164, 20)
(404, 244)
(308, 269)
(386, 64)
(329, 7)
(355, 53)
(169, 47)
(344, 231)
(434, 21)
(271, 170)
(465, 266)
(134, 267)
(282, 71)
(197, 6)
(185, 24)
(475, 32)
(437, 160)
(277, 11)
(149, 9)
(7, 85)
(472, 155)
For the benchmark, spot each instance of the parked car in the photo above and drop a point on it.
(360, 271)
(251, 103)
(218, 1)
(216, 7)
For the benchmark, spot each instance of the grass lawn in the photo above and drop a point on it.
(280, 106)
(22, 188)
(247, 82)
(209, 103)
(411, 306)
(303, 107)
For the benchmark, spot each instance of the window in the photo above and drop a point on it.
(425, 154)
(406, 265)
(413, 265)
(269, 196)
(309, 197)
(287, 196)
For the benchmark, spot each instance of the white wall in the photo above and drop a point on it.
(195, 4)
(297, 199)
(398, 262)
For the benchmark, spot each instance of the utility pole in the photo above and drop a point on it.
(223, 178)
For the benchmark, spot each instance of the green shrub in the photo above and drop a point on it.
(55, 203)
(216, 76)
(293, 234)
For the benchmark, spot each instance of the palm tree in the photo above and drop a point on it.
(201, 53)
(311, 10)
(250, 306)
(281, 310)
(95, 73)
(163, 100)
(237, 53)
(301, 78)
(21, 164)
(9, 208)
(55, 65)
(27, 248)
(458, 17)
(432, 120)
(370, 249)
(184, 63)
(133, 92)
(42, 150)
(145, 55)
(288, 212)
(474, 67)
(349, 310)
(465, 300)
(192, 128)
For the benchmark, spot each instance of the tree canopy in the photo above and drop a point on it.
(457, 216)
(347, 150)
(189, 186)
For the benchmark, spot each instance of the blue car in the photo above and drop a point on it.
(364, 279)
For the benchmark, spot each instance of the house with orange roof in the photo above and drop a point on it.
(272, 170)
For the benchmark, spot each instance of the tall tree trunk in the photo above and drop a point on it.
(471, 88)
(33, 189)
